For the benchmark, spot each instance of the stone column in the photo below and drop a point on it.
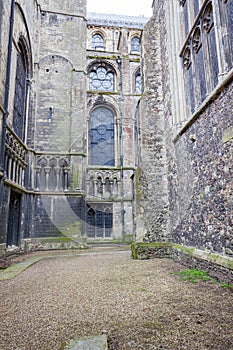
(47, 172)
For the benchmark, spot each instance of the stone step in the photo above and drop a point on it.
(88, 343)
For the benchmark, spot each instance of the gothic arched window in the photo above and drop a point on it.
(97, 41)
(20, 93)
(138, 83)
(200, 58)
(99, 222)
(101, 137)
(101, 78)
(210, 44)
(226, 15)
(135, 44)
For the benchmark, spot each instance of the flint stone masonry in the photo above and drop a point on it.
(152, 178)
(184, 183)
(207, 220)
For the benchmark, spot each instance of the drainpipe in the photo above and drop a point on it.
(7, 87)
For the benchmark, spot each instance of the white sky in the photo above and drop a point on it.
(121, 7)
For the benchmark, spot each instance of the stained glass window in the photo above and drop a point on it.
(19, 99)
(102, 78)
(135, 44)
(97, 41)
(200, 58)
(101, 141)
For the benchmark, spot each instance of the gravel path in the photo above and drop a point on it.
(140, 305)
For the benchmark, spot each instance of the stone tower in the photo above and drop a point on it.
(44, 122)
(185, 175)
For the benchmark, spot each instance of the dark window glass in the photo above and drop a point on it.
(19, 99)
(108, 224)
(91, 223)
(102, 137)
(196, 7)
(200, 64)
(214, 57)
(186, 20)
(191, 89)
(230, 24)
(99, 222)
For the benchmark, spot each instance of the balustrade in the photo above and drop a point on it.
(51, 174)
(15, 158)
(104, 185)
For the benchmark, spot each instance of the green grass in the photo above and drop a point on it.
(193, 275)
(226, 285)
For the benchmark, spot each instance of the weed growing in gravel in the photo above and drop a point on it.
(226, 285)
(193, 275)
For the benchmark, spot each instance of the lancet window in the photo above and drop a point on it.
(97, 41)
(135, 44)
(99, 221)
(18, 123)
(138, 83)
(199, 55)
(101, 137)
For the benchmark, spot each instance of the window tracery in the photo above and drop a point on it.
(101, 139)
(99, 221)
(226, 15)
(101, 78)
(97, 41)
(135, 44)
(199, 56)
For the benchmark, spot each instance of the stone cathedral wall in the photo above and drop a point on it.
(184, 186)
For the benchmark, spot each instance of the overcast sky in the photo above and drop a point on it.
(123, 7)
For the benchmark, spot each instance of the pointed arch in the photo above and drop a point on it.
(101, 136)
(20, 95)
(101, 77)
(135, 44)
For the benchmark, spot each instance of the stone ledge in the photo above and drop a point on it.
(142, 251)
(88, 343)
(14, 270)
(52, 243)
(217, 266)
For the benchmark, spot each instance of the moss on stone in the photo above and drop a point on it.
(184, 249)
(227, 135)
(54, 239)
(220, 260)
(128, 238)
(136, 246)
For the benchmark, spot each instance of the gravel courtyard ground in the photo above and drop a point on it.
(140, 305)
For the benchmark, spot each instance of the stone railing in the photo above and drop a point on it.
(52, 173)
(15, 158)
(103, 184)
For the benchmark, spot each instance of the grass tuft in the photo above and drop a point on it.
(193, 275)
